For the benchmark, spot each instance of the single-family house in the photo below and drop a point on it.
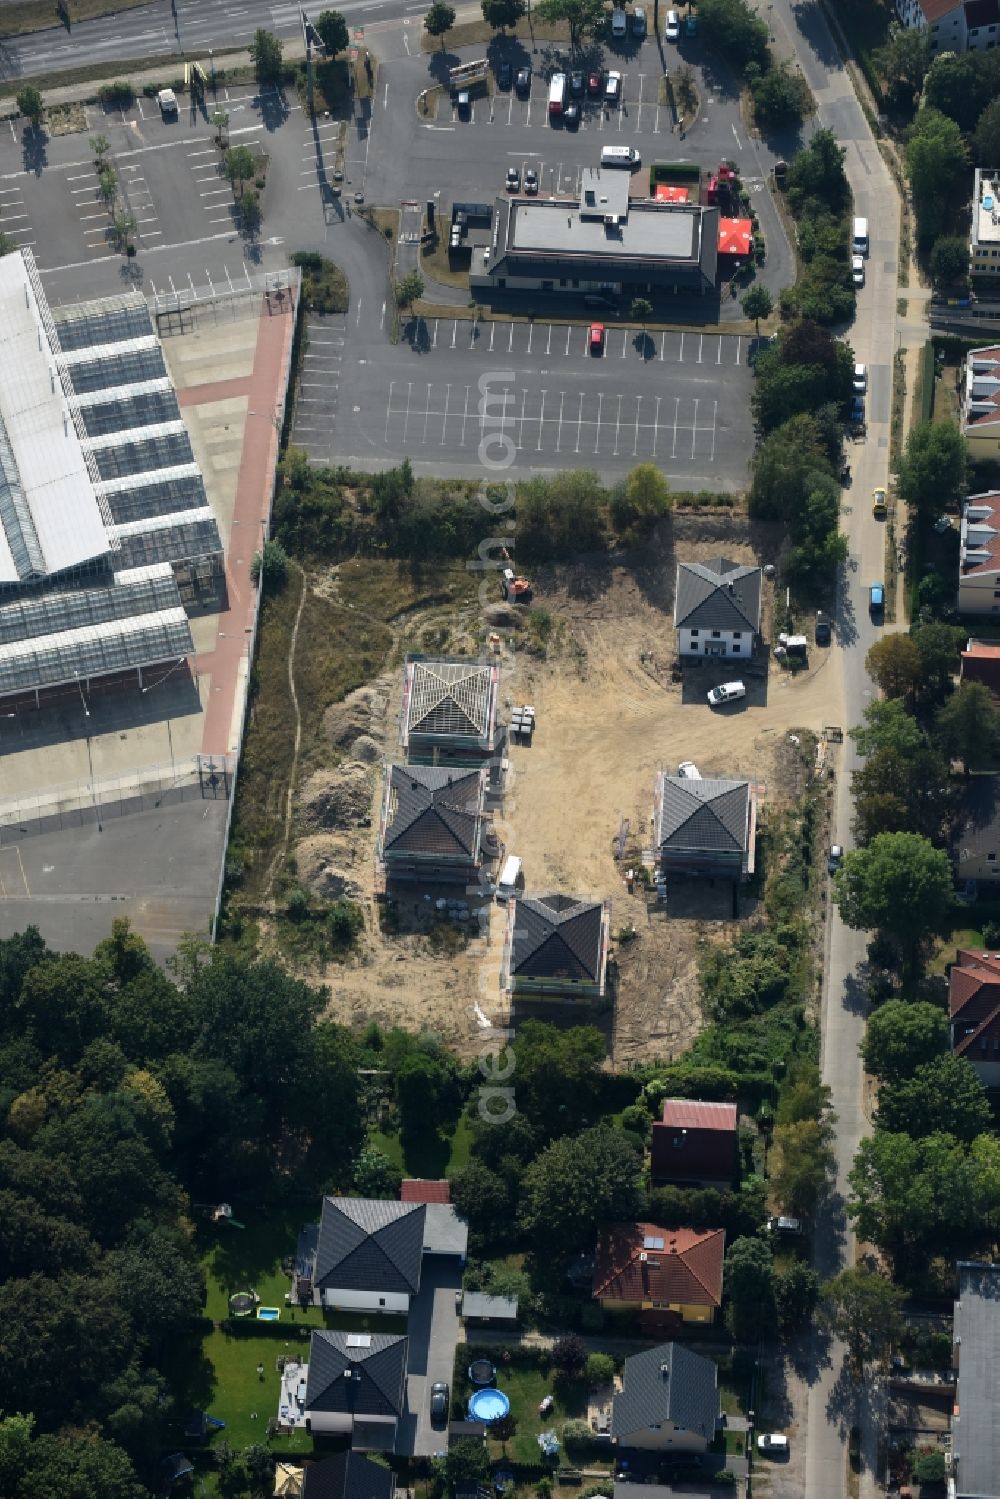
(356, 1386)
(980, 403)
(979, 552)
(348, 1475)
(704, 827)
(974, 1008)
(981, 663)
(717, 608)
(695, 1142)
(366, 1253)
(676, 1272)
(556, 947)
(975, 1431)
(668, 1401)
(432, 823)
(449, 714)
(953, 25)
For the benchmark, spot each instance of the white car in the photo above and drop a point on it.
(726, 692)
(613, 85)
(774, 1442)
(860, 379)
(858, 270)
(689, 771)
(672, 32)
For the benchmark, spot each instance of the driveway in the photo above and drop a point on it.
(433, 1331)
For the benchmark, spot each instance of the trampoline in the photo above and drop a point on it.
(481, 1372)
(268, 1314)
(241, 1303)
(488, 1406)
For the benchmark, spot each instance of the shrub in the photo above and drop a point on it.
(569, 1354)
(600, 1368)
(120, 92)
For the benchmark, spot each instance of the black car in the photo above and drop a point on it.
(571, 114)
(505, 75)
(439, 1404)
(577, 83)
(523, 82)
(824, 632)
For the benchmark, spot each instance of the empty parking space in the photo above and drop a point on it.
(318, 395)
(15, 219)
(211, 188)
(559, 341)
(140, 201)
(318, 157)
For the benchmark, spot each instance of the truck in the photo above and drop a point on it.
(467, 75)
(511, 878)
(167, 100)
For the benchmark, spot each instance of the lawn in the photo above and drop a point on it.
(429, 1156)
(967, 932)
(526, 1388)
(249, 1259)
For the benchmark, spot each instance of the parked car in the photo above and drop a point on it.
(619, 23)
(773, 1442)
(824, 629)
(464, 102)
(726, 692)
(577, 82)
(530, 182)
(672, 30)
(860, 378)
(597, 338)
(505, 75)
(876, 599)
(879, 507)
(784, 1225)
(513, 180)
(571, 114)
(834, 857)
(858, 270)
(613, 87)
(439, 1404)
(639, 23)
(689, 770)
(595, 82)
(522, 82)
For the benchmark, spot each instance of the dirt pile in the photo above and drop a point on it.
(340, 798)
(366, 750)
(360, 713)
(326, 867)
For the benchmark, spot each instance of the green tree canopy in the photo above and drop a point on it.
(577, 1183)
(583, 17)
(932, 470)
(438, 21)
(968, 726)
(239, 165)
(410, 288)
(950, 262)
(640, 502)
(757, 303)
(780, 96)
(961, 85)
(939, 645)
(561, 516)
(735, 30)
(375, 1175)
(894, 662)
(936, 158)
(333, 30)
(503, 15)
(749, 1286)
(30, 104)
(986, 141)
(901, 1036)
(900, 884)
(913, 1198)
(864, 1309)
(905, 57)
(265, 53)
(802, 1162)
(484, 1199)
(943, 1095)
(796, 1293)
(816, 174)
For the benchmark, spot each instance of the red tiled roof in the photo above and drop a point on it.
(693, 1113)
(416, 1189)
(981, 533)
(973, 984)
(981, 663)
(982, 649)
(687, 1269)
(934, 9)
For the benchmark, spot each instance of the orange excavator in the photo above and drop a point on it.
(514, 589)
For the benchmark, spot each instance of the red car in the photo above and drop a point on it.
(595, 83)
(597, 338)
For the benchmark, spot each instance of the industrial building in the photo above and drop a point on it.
(603, 241)
(105, 527)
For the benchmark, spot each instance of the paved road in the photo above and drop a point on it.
(802, 27)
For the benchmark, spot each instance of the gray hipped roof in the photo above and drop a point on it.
(975, 1433)
(557, 936)
(709, 816)
(433, 811)
(370, 1245)
(348, 1475)
(717, 595)
(362, 1374)
(668, 1383)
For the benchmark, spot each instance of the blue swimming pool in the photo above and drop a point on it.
(268, 1314)
(488, 1405)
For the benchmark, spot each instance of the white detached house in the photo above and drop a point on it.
(717, 608)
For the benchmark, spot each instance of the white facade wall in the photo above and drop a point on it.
(738, 643)
(365, 1301)
(329, 1421)
(979, 593)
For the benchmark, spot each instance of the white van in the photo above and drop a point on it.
(859, 241)
(620, 156)
(511, 878)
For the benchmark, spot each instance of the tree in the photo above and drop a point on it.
(780, 96)
(939, 645)
(220, 119)
(439, 20)
(967, 726)
(123, 227)
(410, 289)
(569, 1353)
(913, 1198)
(929, 1468)
(483, 1199)
(749, 1286)
(265, 53)
(796, 1292)
(270, 566)
(757, 303)
(901, 1036)
(936, 158)
(467, 1462)
(640, 312)
(950, 262)
(333, 31)
(943, 1095)
(816, 174)
(864, 1310)
(685, 91)
(932, 470)
(577, 1183)
(801, 1163)
(375, 1175)
(640, 502)
(905, 58)
(887, 725)
(107, 184)
(900, 884)
(600, 1369)
(79, 1465)
(558, 1076)
(503, 15)
(239, 166)
(30, 104)
(733, 28)
(583, 17)
(960, 86)
(986, 141)
(426, 1093)
(100, 145)
(560, 515)
(894, 663)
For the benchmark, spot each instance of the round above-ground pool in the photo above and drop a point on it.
(481, 1372)
(488, 1405)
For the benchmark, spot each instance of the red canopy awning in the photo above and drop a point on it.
(735, 236)
(667, 194)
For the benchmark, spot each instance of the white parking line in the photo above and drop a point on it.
(656, 425)
(447, 405)
(694, 426)
(680, 355)
(719, 360)
(77, 177)
(618, 422)
(715, 411)
(677, 407)
(215, 192)
(10, 217)
(465, 414)
(541, 422)
(579, 422)
(562, 397)
(192, 154)
(739, 338)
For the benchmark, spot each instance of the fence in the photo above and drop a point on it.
(78, 803)
(190, 307)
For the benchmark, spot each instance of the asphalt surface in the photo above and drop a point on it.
(433, 1331)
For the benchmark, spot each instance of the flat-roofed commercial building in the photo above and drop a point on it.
(105, 526)
(602, 241)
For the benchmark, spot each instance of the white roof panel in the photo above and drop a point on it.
(50, 461)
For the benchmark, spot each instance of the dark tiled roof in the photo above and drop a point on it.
(717, 595)
(378, 1373)
(687, 1269)
(710, 816)
(348, 1475)
(433, 810)
(418, 1189)
(981, 13)
(370, 1245)
(557, 936)
(668, 1383)
(975, 1431)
